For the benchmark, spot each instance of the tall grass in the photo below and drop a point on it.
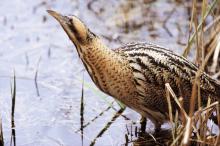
(193, 129)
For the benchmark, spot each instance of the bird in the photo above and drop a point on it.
(136, 73)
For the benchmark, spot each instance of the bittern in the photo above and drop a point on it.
(136, 73)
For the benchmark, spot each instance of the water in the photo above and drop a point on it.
(32, 41)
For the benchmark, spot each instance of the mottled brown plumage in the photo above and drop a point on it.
(136, 73)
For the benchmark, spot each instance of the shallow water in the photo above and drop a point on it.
(31, 41)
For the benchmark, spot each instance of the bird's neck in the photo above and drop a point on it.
(95, 57)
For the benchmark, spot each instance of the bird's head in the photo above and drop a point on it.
(77, 31)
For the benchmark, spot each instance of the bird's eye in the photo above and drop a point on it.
(91, 33)
(71, 20)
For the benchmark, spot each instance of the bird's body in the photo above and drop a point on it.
(136, 73)
(153, 66)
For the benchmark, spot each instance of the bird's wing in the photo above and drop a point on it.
(159, 65)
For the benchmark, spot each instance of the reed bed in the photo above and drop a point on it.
(195, 128)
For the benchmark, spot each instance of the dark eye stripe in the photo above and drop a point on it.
(74, 30)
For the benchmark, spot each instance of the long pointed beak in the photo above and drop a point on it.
(60, 18)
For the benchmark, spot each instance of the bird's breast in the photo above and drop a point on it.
(110, 73)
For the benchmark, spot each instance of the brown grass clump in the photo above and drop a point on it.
(193, 129)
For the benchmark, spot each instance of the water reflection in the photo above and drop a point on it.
(82, 111)
(104, 129)
(13, 135)
(161, 138)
